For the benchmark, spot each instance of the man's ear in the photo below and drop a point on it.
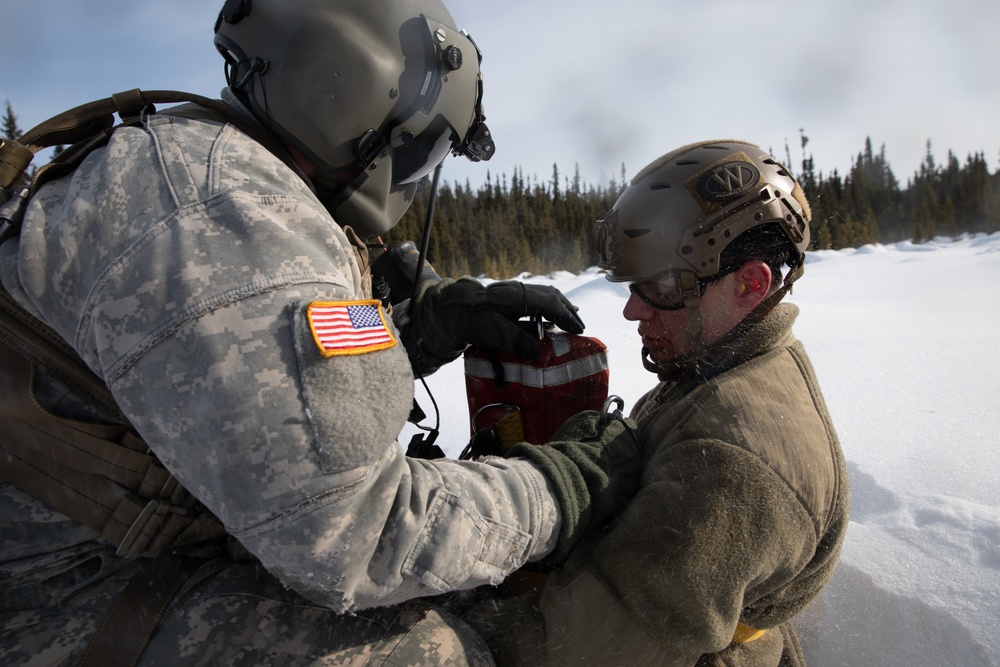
(752, 284)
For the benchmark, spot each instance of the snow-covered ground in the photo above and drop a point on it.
(904, 339)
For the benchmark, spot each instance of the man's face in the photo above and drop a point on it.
(667, 333)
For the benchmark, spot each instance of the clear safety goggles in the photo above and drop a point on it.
(665, 292)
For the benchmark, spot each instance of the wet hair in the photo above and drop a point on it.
(766, 243)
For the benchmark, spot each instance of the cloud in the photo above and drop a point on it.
(599, 82)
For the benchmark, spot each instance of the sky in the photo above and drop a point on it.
(596, 85)
(903, 340)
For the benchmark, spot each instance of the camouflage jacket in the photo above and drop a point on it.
(191, 270)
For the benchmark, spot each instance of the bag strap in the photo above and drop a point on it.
(89, 125)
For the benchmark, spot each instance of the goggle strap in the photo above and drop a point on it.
(691, 294)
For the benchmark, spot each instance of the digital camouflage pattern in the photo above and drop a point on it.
(179, 261)
(244, 617)
(237, 614)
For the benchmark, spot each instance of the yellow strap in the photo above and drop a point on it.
(745, 634)
(510, 428)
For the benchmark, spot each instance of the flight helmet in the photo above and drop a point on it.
(375, 93)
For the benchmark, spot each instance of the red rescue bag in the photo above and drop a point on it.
(513, 400)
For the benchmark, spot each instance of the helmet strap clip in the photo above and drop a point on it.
(371, 146)
(257, 66)
(691, 296)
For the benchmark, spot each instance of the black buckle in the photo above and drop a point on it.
(371, 146)
(12, 213)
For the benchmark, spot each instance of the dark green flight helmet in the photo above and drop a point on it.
(376, 93)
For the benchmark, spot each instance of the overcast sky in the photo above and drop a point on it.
(598, 84)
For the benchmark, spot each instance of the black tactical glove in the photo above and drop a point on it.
(448, 315)
(594, 467)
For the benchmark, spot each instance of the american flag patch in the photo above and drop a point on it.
(348, 327)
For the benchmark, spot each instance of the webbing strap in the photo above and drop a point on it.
(92, 118)
(90, 125)
(14, 160)
(90, 472)
(100, 475)
(43, 346)
(127, 628)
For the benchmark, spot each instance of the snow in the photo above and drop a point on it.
(903, 338)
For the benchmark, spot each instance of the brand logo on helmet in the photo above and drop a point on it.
(728, 181)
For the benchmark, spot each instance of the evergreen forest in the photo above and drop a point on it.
(520, 223)
(506, 227)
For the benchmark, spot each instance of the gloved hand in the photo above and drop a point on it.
(448, 315)
(594, 468)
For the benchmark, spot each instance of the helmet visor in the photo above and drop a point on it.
(442, 91)
(418, 156)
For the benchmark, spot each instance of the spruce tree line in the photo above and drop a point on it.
(867, 205)
(506, 227)
(501, 230)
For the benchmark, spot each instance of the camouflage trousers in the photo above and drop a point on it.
(239, 615)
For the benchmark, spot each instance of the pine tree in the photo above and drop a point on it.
(10, 129)
(511, 225)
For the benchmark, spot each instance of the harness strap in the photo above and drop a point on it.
(89, 125)
(101, 475)
(14, 160)
(128, 627)
(92, 473)
(40, 343)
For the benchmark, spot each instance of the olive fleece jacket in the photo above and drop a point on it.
(740, 516)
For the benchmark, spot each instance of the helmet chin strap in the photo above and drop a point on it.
(691, 295)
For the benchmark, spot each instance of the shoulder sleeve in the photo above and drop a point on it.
(181, 262)
(295, 451)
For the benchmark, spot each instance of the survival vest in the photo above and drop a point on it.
(100, 474)
(103, 476)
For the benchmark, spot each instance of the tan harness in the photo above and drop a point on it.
(102, 475)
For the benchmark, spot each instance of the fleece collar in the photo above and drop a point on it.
(746, 341)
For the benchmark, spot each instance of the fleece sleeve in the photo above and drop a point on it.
(712, 529)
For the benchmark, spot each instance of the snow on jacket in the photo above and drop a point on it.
(740, 517)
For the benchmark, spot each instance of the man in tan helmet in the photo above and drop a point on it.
(207, 461)
(743, 499)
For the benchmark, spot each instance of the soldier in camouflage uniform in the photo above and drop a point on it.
(222, 293)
